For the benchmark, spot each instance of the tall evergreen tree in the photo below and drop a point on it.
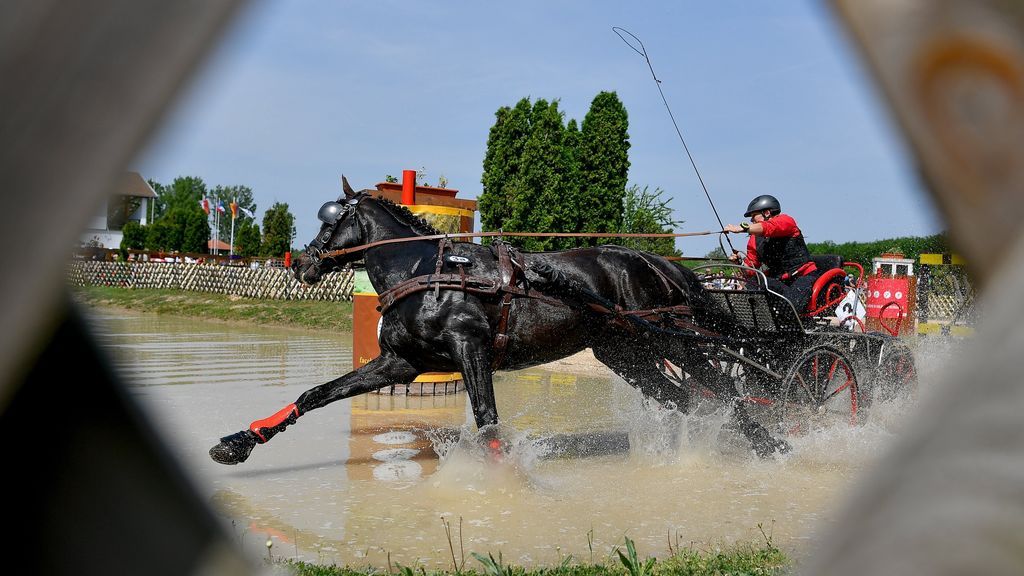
(500, 179)
(541, 175)
(538, 209)
(568, 216)
(604, 163)
(278, 230)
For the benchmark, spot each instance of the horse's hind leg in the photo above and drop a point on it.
(382, 371)
(724, 387)
(641, 369)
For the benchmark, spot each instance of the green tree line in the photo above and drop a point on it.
(862, 252)
(541, 174)
(180, 224)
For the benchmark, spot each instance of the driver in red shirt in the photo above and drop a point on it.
(777, 244)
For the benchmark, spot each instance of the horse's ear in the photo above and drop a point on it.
(349, 192)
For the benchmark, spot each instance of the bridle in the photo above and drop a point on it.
(331, 213)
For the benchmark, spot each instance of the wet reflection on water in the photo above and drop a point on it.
(361, 479)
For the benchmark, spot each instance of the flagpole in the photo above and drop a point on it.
(231, 248)
(216, 224)
(206, 204)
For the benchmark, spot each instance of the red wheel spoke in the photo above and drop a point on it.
(846, 385)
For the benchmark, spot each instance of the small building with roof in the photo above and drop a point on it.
(215, 246)
(130, 201)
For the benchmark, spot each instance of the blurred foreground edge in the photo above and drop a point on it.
(82, 84)
(948, 497)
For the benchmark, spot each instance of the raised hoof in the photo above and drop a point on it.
(768, 445)
(234, 448)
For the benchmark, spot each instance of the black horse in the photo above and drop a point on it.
(470, 308)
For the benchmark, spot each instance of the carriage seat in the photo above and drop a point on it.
(829, 289)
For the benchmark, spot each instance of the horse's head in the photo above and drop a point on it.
(339, 230)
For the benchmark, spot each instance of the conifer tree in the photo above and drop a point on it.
(502, 162)
(567, 216)
(604, 163)
(542, 176)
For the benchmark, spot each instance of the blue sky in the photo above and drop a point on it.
(770, 96)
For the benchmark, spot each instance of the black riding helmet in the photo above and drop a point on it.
(762, 203)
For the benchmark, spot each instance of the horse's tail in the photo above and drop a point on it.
(707, 313)
(555, 282)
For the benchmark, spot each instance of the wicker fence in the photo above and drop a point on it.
(265, 283)
(944, 306)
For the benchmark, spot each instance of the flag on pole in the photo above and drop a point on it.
(234, 210)
(246, 211)
(220, 206)
(205, 205)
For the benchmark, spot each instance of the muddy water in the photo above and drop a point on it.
(361, 480)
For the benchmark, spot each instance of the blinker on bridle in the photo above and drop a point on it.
(331, 213)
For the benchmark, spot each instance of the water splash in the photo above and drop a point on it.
(498, 444)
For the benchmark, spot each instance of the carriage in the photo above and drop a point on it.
(471, 308)
(798, 370)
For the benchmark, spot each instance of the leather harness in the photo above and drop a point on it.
(511, 284)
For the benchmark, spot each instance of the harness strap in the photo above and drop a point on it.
(507, 268)
(679, 316)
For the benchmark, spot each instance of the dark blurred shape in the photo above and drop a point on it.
(100, 494)
(82, 84)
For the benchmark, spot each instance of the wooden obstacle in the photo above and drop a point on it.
(261, 283)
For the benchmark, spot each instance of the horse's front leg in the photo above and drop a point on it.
(472, 350)
(382, 371)
(474, 356)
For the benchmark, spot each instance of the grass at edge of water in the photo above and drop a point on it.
(740, 559)
(222, 307)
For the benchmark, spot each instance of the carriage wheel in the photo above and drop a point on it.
(820, 390)
(897, 372)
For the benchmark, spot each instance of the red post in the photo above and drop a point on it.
(288, 259)
(408, 187)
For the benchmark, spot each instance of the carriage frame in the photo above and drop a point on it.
(797, 371)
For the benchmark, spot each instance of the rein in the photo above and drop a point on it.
(362, 247)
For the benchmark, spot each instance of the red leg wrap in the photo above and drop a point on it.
(267, 427)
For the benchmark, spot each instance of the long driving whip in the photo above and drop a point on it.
(643, 52)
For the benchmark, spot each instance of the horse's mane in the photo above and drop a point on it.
(406, 217)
